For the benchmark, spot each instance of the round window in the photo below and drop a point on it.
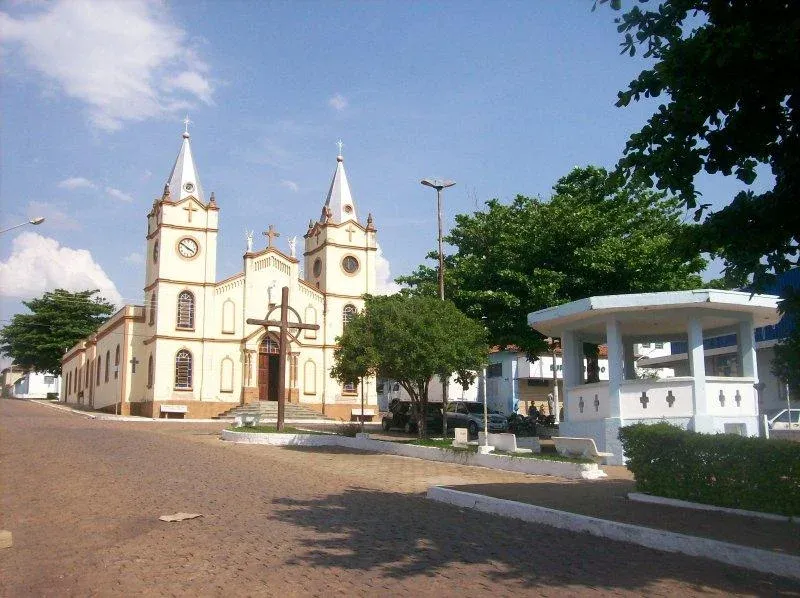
(350, 264)
(317, 267)
(189, 187)
(348, 209)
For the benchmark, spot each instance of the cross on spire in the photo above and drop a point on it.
(340, 145)
(186, 123)
(271, 234)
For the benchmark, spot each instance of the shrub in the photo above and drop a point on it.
(717, 469)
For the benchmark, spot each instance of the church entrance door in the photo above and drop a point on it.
(268, 363)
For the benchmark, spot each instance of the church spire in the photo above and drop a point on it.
(339, 206)
(184, 181)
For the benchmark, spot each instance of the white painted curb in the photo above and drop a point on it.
(755, 559)
(685, 504)
(585, 471)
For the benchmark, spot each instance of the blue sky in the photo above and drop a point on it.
(502, 97)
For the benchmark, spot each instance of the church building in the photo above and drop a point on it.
(189, 348)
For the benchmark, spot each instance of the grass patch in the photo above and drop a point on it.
(443, 443)
(273, 430)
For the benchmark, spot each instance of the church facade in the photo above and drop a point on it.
(189, 348)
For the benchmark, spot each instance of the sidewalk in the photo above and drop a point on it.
(607, 499)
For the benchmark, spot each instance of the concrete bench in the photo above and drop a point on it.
(173, 411)
(356, 414)
(247, 419)
(505, 442)
(579, 447)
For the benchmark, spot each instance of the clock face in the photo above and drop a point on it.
(189, 187)
(187, 247)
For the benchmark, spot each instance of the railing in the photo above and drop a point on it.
(731, 396)
(588, 402)
(667, 398)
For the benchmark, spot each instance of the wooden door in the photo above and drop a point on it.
(263, 376)
(268, 363)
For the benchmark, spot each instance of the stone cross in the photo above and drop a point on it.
(189, 209)
(283, 325)
(134, 362)
(350, 230)
(644, 400)
(271, 234)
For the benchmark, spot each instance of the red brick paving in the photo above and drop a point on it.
(83, 498)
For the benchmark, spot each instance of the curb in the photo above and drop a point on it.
(756, 559)
(698, 506)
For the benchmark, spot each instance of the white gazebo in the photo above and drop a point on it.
(697, 402)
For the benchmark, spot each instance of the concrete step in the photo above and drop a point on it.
(269, 410)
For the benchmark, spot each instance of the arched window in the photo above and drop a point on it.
(185, 310)
(183, 370)
(86, 371)
(311, 318)
(270, 345)
(108, 363)
(152, 309)
(99, 364)
(226, 375)
(348, 313)
(150, 372)
(116, 364)
(229, 317)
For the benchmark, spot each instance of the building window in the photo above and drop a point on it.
(659, 345)
(116, 364)
(349, 389)
(229, 316)
(108, 362)
(99, 367)
(152, 309)
(87, 372)
(309, 377)
(645, 345)
(150, 372)
(69, 383)
(270, 345)
(185, 310)
(183, 370)
(495, 370)
(348, 313)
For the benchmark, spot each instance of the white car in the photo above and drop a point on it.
(779, 420)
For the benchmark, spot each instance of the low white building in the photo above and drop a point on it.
(696, 401)
(36, 385)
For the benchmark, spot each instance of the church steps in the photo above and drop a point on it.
(269, 411)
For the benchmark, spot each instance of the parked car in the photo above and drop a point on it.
(469, 415)
(401, 416)
(779, 420)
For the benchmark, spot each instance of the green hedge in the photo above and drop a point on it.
(717, 469)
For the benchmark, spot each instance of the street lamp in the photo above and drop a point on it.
(556, 408)
(33, 221)
(439, 185)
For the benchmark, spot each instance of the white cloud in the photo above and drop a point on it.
(383, 275)
(134, 258)
(38, 264)
(291, 186)
(338, 102)
(117, 194)
(125, 60)
(77, 182)
(54, 217)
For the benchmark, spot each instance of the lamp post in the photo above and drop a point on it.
(556, 408)
(439, 185)
(33, 221)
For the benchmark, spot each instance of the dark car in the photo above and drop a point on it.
(401, 416)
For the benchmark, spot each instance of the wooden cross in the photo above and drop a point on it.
(134, 361)
(283, 325)
(270, 234)
(350, 230)
(189, 209)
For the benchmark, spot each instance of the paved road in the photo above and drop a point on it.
(83, 497)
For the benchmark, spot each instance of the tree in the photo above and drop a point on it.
(595, 236)
(730, 72)
(57, 321)
(409, 340)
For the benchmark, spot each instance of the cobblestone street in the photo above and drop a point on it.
(82, 499)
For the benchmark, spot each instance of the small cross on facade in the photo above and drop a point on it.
(189, 209)
(670, 398)
(738, 398)
(644, 400)
(581, 405)
(350, 230)
(596, 403)
(271, 234)
(134, 363)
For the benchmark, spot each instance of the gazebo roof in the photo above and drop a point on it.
(664, 314)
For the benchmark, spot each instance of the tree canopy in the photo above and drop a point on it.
(594, 236)
(57, 321)
(730, 72)
(409, 340)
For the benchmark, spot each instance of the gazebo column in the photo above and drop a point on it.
(630, 359)
(697, 362)
(571, 365)
(616, 360)
(747, 349)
